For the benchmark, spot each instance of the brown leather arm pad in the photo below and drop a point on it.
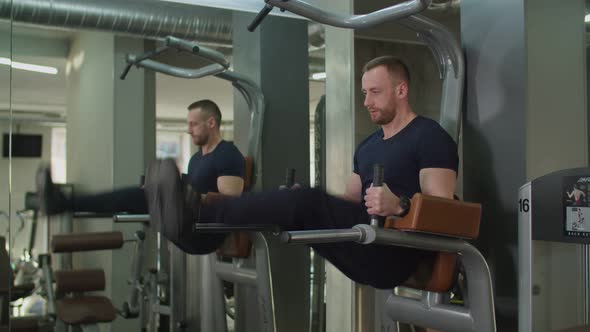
(437, 215)
(86, 241)
(79, 281)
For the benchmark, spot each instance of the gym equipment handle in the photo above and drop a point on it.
(290, 177)
(258, 19)
(375, 220)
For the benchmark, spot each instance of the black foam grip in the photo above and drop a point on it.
(377, 182)
(290, 177)
(258, 19)
(377, 175)
(125, 71)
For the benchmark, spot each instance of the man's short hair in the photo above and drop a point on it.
(396, 67)
(208, 107)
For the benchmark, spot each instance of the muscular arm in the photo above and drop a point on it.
(230, 185)
(353, 188)
(440, 182)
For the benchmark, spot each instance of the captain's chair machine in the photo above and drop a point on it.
(435, 224)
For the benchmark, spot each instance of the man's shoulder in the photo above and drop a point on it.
(422, 122)
(229, 149)
(430, 128)
(227, 146)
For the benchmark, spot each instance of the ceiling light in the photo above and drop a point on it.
(28, 66)
(318, 76)
(587, 18)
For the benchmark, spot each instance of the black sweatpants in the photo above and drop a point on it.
(381, 266)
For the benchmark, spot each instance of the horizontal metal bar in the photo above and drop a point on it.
(323, 236)
(230, 272)
(145, 218)
(413, 239)
(223, 228)
(88, 215)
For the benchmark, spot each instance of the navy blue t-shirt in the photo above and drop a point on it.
(224, 160)
(423, 143)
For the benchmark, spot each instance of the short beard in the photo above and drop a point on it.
(385, 120)
(202, 141)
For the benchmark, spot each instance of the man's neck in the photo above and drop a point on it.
(211, 144)
(403, 117)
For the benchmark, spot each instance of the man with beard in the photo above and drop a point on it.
(417, 155)
(218, 166)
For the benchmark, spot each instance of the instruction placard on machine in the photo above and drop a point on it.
(576, 207)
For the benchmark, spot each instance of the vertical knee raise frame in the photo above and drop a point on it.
(424, 232)
(213, 319)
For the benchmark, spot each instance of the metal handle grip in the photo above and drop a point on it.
(126, 71)
(261, 15)
(377, 182)
(322, 236)
(194, 48)
(226, 228)
(144, 218)
(290, 177)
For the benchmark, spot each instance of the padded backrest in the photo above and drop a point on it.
(435, 274)
(440, 216)
(238, 244)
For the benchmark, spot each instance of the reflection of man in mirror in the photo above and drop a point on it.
(577, 194)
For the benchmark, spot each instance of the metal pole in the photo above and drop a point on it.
(586, 281)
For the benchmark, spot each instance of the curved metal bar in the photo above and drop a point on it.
(440, 40)
(208, 70)
(480, 314)
(388, 14)
(480, 296)
(194, 48)
(247, 88)
(449, 54)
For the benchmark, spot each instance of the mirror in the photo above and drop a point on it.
(98, 133)
(6, 272)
